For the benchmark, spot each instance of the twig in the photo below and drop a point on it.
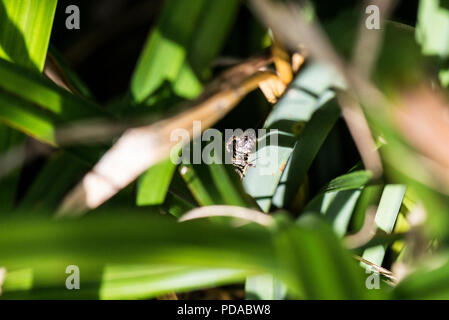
(358, 127)
(365, 234)
(228, 211)
(385, 272)
(139, 148)
(292, 30)
(55, 74)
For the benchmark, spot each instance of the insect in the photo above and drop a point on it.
(241, 147)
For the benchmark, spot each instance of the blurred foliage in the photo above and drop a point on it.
(318, 192)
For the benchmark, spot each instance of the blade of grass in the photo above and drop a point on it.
(45, 93)
(25, 28)
(215, 184)
(154, 183)
(353, 180)
(122, 282)
(386, 215)
(305, 150)
(337, 200)
(176, 205)
(369, 198)
(308, 92)
(126, 282)
(299, 255)
(23, 116)
(337, 207)
(166, 48)
(182, 46)
(210, 34)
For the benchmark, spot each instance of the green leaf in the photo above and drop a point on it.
(24, 116)
(369, 197)
(25, 28)
(126, 282)
(405, 167)
(306, 148)
(181, 48)
(399, 51)
(352, 180)
(427, 283)
(176, 205)
(154, 183)
(321, 268)
(215, 184)
(337, 207)
(309, 92)
(211, 32)
(338, 199)
(307, 257)
(387, 212)
(432, 29)
(166, 47)
(45, 93)
(201, 41)
(56, 105)
(196, 246)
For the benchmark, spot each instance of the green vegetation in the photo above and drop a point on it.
(356, 201)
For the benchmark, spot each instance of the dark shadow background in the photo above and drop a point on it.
(105, 50)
